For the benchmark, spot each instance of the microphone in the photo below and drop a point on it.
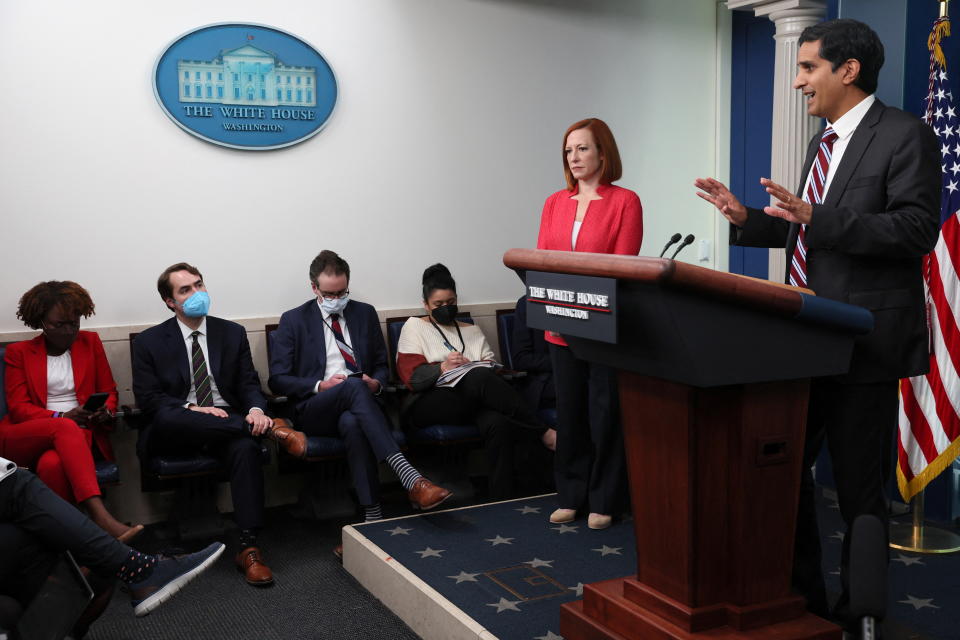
(868, 573)
(688, 240)
(675, 238)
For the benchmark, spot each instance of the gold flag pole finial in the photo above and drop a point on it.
(940, 30)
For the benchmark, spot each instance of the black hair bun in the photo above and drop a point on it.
(435, 272)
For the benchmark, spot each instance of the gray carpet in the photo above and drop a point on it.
(312, 597)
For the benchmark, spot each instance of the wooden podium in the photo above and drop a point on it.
(714, 374)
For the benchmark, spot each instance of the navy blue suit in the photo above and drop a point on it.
(298, 360)
(162, 380)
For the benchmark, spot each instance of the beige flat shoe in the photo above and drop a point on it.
(563, 515)
(599, 521)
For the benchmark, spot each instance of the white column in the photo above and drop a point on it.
(792, 127)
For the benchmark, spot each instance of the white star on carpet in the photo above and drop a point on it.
(839, 535)
(550, 636)
(578, 589)
(907, 560)
(919, 603)
(525, 510)
(566, 528)
(505, 605)
(428, 553)
(499, 540)
(463, 576)
(537, 562)
(399, 531)
(606, 551)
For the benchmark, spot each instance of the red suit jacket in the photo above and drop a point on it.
(25, 380)
(613, 224)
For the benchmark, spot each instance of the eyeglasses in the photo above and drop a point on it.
(66, 325)
(333, 295)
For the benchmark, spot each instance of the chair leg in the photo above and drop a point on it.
(195, 512)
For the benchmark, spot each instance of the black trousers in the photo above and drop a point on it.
(35, 526)
(350, 411)
(179, 430)
(858, 422)
(589, 467)
(484, 398)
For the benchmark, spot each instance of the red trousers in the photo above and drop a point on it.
(59, 453)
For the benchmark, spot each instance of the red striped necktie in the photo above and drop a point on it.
(345, 349)
(813, 195)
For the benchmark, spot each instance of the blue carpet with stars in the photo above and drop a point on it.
(924, 590)
(510, 569)
(505, 564)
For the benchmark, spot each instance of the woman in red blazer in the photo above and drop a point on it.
(595, 216)
(47, 381)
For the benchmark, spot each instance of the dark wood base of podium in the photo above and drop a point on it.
(611, 610)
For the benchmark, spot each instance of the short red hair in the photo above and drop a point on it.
(610, 167)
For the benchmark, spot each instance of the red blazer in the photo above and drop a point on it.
(25, 381)
(613, 224)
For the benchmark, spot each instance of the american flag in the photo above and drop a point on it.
(930, 404)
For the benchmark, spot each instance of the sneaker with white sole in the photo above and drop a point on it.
(169, 576)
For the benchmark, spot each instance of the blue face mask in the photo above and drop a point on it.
(197, 305)
(337, 305)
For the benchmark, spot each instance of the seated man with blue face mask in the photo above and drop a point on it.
(329, 357)
(194, 379)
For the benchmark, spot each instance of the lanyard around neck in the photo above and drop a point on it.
(443, 336)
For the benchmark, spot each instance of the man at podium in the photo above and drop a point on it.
(855, 231)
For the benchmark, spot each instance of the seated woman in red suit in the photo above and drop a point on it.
(47, 381)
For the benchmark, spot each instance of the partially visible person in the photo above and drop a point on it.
(47, 381)
(592, 215)
(530, 352)
(438, 345)
(194, 379)
(328, 356)
(36, 526)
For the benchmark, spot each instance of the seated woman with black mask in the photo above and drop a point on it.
(449, 366)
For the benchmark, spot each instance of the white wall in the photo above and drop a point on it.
(444, 144)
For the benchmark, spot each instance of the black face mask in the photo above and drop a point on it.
(446, 314)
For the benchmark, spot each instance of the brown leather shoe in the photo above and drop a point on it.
(255, 571)
(289, 439)
(426, 495)
(338, 551)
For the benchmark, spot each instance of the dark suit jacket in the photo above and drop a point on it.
(25, 381)
(530, 353)
(162, 376)
(866, 242)
(298, 352)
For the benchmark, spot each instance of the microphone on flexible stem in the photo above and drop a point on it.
(674, 239)
(688, 240)
(868, 573)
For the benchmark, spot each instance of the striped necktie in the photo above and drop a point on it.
(345, 349)
(201, 377)
(813, 195)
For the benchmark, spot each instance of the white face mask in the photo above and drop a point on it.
(336, 305)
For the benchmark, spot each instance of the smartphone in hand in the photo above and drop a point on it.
(95, 401)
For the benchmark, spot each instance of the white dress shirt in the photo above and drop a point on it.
(187, 332)
(61, 389)
(844, 128)
(335, 362)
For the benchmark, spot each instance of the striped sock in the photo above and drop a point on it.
(404, 470)
(136, 567)
(372, 513)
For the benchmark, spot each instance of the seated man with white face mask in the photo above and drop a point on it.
(194, 379)
(329, 357)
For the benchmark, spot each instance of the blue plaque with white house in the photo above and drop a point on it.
(245, 86)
